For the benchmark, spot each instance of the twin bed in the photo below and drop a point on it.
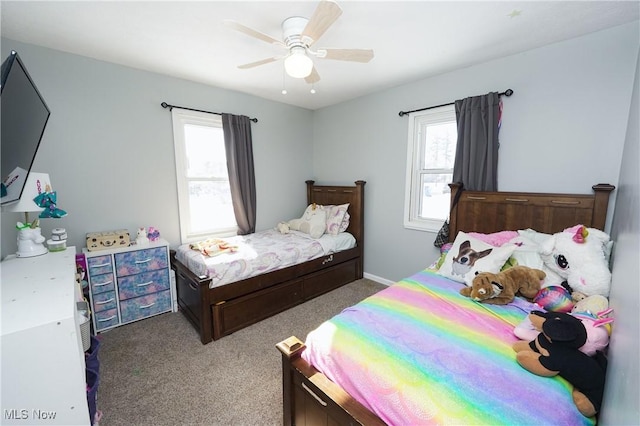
(420, 353)
(247, 283)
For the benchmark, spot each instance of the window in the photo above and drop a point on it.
(431, 153)
(204, 194)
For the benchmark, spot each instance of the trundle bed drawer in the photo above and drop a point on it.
(327, 261)
(329, 279)
(238, 313)
(253, 284)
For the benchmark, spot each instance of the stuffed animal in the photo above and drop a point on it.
(555, 352)
(591, 305)
(579, 255)
(598, 326)
(141, 238)
(153, 234)
(501, 288)
(283, 227)
(554, 298)
(594, 312)
(312, 222)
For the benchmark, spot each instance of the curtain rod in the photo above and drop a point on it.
(166, 105)
(506, 93)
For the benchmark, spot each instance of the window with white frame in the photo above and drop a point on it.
(204, 194)
(431, 153)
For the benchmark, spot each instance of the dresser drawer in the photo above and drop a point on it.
(106, 319)
(104, 301)
(102, 283)
(99, 265)
(141, 284)
(144, 306)
(135, 262)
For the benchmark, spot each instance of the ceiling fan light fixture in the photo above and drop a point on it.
(298, 64)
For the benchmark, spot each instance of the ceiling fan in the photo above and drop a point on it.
(299, 34)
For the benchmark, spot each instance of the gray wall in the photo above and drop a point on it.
(622, 391)
(108, 147)
(563, 131)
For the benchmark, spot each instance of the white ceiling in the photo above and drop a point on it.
(411, 39)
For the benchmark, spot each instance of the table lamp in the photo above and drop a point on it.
(30, 237)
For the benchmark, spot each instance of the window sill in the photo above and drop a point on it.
(425, 225)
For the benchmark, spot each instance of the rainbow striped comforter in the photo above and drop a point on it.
(419, 353)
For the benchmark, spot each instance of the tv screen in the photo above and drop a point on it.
(24, 116)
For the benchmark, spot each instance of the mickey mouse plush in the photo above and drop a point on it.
(555, 352)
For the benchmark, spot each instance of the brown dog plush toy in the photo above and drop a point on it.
(501, 288)
(555, 352)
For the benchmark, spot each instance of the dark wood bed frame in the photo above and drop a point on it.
(310, 398)
(219, 311)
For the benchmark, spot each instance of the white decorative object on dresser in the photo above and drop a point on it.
(43, 363)
(128, 284)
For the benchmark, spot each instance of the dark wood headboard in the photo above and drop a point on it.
(488, 212)
(336, 195)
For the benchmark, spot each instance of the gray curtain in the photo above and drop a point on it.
(476, 162)
(239, 149)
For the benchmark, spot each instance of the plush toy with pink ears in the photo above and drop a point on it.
(554, 351)
(595, 315)
(580, 255)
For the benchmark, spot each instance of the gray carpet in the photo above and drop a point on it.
(156, 371)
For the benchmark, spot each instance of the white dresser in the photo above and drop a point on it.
(43, 364)
(128, 284)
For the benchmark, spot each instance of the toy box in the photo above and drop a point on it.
(109, 239)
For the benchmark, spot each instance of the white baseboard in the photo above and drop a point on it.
(378, 279)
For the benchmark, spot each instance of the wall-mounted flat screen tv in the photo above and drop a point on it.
(24, 116)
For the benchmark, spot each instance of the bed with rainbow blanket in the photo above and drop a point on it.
(419, 353)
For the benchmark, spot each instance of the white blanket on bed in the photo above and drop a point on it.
(260, 253)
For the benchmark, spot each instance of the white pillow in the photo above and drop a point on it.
(469, 255)
(335, 218)
(533, 235)
(526, 252)
(345, 222)
(312, 222)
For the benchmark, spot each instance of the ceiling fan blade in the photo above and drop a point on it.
(314, 77)
(258, 63)
(251, 32)
(324, 16)
(353, 55)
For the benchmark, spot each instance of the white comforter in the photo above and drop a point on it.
(260, 253)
